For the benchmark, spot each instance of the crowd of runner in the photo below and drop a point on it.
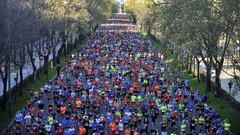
(118, 84)
(117, 28)
(119, 21)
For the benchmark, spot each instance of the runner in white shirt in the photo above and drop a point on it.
(120, 125)
(73, 94)
(61, 75)
(48, 128)
(28, 119)
(128, 113)
(72, 129)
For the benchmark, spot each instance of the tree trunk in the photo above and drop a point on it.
(198, 70)
(182, 60)
(80, 37)
(217, 82)
(34, 73)
(4, 75)
(69, 47)
(65, 49)
(40, 63)
(208, 80)
(21, 81)
(75, 43)
(41, 46)
(5, 97)
(134, 19)
(10, 91)
(190, 64)
(9, 78)
(54, 56)
(71, 44)
(46, 66)
(32, 60)
(54, 45)
(60, 52)
(187, 62)
(149, 30)
(194, 66)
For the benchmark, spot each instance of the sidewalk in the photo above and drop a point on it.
(225, 79)
(27, 70)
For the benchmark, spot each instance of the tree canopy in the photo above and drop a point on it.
(30, 27)
(202, 29)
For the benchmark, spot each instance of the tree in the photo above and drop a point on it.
(140, 11)
(205, 25)
(100, 11)
(30, 27)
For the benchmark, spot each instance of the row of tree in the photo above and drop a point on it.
(195, 31)
(29, 27)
